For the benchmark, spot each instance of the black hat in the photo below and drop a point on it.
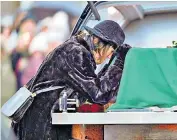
(108, 31)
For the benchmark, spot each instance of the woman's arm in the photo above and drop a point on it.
(82, 77)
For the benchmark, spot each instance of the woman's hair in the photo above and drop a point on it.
(80, 37)
(80, 34)
(102, 48)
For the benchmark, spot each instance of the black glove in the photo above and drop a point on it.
(121, 53)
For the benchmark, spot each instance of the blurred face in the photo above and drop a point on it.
(6, 32)
(28, 26)
(102, 51)
(24, 41)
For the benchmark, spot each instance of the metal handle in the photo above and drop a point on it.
(94, 10)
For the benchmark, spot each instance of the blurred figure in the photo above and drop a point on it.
(7, 75)
(12, 42)
(19, 58)
(6, 25)
(2, 40)
(58, 30)
(37, 52)
(60, 24)
(6, 30)
(43, 25)
(20, 15)
(20, 54)
(28, 24)
(54, 40)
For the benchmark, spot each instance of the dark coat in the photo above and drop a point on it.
(70, 65)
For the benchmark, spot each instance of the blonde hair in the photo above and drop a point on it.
(103, 52)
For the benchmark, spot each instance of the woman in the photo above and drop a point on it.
(19, 56)
(72, 65)
(37, 51)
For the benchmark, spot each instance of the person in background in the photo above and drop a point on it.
(54, 40)
(5, 35)
(28, 24)
(13, 39)
(19, 56)
(3, 52)
(19, 16)
(43, 25)
(60, 24)
(37, 50)
(6, 31)
(7, 75)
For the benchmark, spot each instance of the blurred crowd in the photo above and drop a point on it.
(26, 42)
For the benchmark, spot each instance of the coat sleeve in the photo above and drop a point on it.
(83, 78)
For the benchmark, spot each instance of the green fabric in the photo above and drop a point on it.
(149, 79)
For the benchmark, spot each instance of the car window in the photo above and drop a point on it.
(107, 13)
(154, 23)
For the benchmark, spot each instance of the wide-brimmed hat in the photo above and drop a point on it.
(108, 31)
